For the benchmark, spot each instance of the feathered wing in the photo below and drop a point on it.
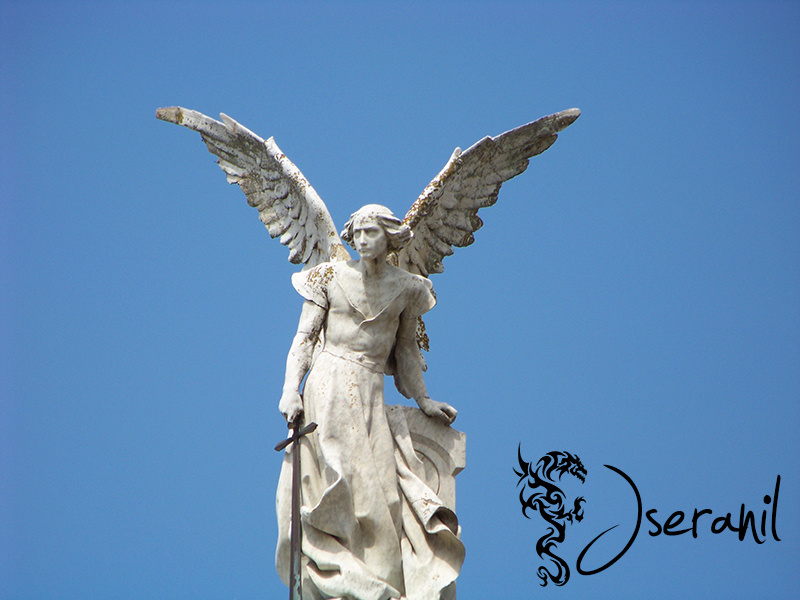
(446, 213)
(287, 204)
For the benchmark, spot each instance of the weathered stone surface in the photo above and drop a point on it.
(377, 491)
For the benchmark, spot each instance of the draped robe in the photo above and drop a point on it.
(372, 529)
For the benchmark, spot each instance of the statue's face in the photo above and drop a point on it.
(370, 239)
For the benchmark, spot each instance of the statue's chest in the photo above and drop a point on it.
(370, 298)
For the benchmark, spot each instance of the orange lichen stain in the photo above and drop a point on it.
(320, 276)
(422, 338)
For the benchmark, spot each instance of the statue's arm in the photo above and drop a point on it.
(299, 360)
(409, 366)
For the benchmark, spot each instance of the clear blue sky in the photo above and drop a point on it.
(634, 296)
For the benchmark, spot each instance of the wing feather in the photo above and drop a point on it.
(287, 204)
(446, 213)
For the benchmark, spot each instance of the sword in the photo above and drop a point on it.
(296, 583)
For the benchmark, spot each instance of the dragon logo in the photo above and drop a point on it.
(541, 493)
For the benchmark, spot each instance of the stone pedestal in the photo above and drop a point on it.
(441, 448)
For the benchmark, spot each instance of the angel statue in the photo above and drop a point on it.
(372, 528)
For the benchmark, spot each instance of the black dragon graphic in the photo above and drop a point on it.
(541, 493)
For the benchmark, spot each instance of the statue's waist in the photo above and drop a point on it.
(359, 358)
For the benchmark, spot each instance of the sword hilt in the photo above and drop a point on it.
(296, 435)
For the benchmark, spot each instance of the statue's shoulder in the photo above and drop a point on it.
(410, 278)
(415, 282)
(312, 284)
(419, 290)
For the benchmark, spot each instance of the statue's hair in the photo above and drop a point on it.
(397, 233)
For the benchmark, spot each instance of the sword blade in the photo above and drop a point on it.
(296, 540)
(296, 584)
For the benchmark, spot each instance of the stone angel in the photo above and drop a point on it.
(372, 527)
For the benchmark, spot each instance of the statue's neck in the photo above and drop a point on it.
(372, 267)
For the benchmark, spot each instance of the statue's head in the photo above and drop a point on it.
(397, 233)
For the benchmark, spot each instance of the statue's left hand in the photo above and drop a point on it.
(438, 410)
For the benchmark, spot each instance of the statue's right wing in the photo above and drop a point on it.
(287, 204)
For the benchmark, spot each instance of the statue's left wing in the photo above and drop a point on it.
(287, 204)
(446, 213)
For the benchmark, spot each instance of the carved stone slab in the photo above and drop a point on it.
(442, 449)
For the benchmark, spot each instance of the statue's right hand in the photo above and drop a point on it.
(291, 405)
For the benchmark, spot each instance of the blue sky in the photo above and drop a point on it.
(633, 297)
